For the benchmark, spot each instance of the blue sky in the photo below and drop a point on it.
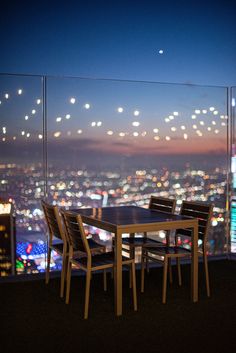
(122, 39)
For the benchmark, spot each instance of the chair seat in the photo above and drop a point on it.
(94, 246)
(103, 259)
(169, 250)
(141, 241)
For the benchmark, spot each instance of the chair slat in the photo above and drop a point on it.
(163, 208)
(160, 202)
(195, 206)
(194, 213)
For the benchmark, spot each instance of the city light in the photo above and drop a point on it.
(135, 123)
(57, 134)
(75, 184)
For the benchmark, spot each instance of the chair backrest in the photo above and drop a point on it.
(53, 220)
(75, 232)
(203, 212)
(162, 204)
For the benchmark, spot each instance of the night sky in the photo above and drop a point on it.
(191, 42)
(121, 39)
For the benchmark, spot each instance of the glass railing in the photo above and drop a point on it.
(93, 143)
(233, 172)
(21, 171)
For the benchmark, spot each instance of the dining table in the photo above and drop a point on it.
(134, 219)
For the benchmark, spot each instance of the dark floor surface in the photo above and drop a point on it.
(35, 319)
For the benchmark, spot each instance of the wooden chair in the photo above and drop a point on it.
(156, 204)
(58, 241)
(198, 210)
(89, 262)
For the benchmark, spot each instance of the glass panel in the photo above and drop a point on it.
(233, 171)
(117, 143)
(108, 143)
(21, 172)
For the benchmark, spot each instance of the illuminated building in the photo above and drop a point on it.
(7, 239)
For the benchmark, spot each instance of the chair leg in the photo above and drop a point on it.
(87, 292)
(170, 271)
(164, 285)
(105, 280)
(68, 278)
(132, 256)
(130, 279)
(48, 264)
(147, 265)
(134, 286)
(179, 272)
(63, 274)
(142, 272)
(206, 275)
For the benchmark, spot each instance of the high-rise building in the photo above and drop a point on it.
(7, 239)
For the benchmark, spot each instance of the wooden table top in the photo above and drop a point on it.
(123, 216)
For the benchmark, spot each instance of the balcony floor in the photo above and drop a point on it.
(34, 318)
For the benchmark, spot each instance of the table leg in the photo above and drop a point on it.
(118, 273)
(194, 264)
